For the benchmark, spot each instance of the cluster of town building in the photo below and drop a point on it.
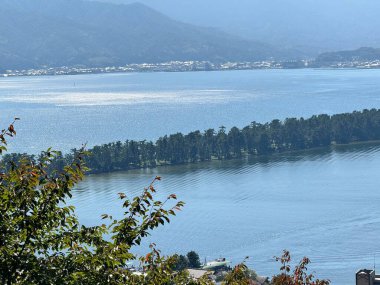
(183, 66)
(356, 64)
(172, 66)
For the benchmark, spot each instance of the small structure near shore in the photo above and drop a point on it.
(198, 273)
(367, 277)
(216, 264)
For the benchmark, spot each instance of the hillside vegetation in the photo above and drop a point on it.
(361, 55)
(39, 33)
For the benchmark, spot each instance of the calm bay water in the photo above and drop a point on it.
(323, 204)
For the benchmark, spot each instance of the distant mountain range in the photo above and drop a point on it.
(51, 33)
(312, 26)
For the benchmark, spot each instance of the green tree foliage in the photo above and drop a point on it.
(42, 241)
(193, 259)
(181, 262)
(255, 139)
(240, 275)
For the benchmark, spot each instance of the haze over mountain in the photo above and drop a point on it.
(35, 33)
(311, 25)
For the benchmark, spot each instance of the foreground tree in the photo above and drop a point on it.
(299, 276)
(240, 275)
(42, 241)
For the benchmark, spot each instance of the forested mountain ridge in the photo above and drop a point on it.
(255, 139)
(361, 54)
(39, 33)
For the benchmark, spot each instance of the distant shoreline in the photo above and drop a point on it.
(189, 66)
